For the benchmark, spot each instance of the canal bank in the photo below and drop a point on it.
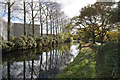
(98, 61)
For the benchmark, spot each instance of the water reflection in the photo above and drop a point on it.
(38, 63)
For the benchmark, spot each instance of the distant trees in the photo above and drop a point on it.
(48, 14)
(7, 8)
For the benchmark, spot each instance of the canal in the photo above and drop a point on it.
(38, 63)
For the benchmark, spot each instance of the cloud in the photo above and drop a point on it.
(72, 7)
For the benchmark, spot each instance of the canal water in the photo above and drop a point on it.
(38, 63)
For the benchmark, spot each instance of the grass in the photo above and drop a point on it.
(95, 62)
(83, 66)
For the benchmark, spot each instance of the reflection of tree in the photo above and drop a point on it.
(26, 64)
(40, 64)
(24, 69)
(8, 70)
(32, 69)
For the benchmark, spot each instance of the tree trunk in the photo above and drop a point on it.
(56, 31)
(8, 29)
(94, 40)
(47, 22)
(56, 27)
(24, 19)
(41, 18)
(32, 18)
(53, 27)
(51, 23)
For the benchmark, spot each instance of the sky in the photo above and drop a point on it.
(72, 7)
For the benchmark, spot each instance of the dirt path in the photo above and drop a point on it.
(85, 45)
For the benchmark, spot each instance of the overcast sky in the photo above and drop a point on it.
(72, 7)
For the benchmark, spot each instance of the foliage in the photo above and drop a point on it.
(93, 21)
(12, 38)
(108, 54)
(115, 14)
(69, 39)
(19, 43)
(112, 35)
(7, 46)
(31, 43)
(1, 38)
(33, 36)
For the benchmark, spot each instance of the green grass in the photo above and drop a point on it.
(83, 66)
(99, 62)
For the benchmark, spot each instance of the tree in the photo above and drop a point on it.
(95, 19)
(24, 2)
(8, 10)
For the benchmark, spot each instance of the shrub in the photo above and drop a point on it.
(19, 43)
(31, 43)
(46, 40)
(24, 37)
(33, 36)
(107, 46)
(50, 39)
(40, 40)
(1, 38)
(12, 38)
(70, 39)
(7, 46)
(54, 42)
(10, 44)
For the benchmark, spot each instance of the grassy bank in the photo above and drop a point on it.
(95, 62)
(32, 41)
(82, 66)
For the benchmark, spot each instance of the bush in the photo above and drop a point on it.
(24, 38)
(31, 43)
(50, 40)
(12, 38)
(1, 38)
(40, 40)
(19, 43)
(7, 46)
(54, 42)
(33, 36)
(70, 39)
(46, 40)
(107, 46)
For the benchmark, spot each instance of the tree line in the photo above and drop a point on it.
(47, 13)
